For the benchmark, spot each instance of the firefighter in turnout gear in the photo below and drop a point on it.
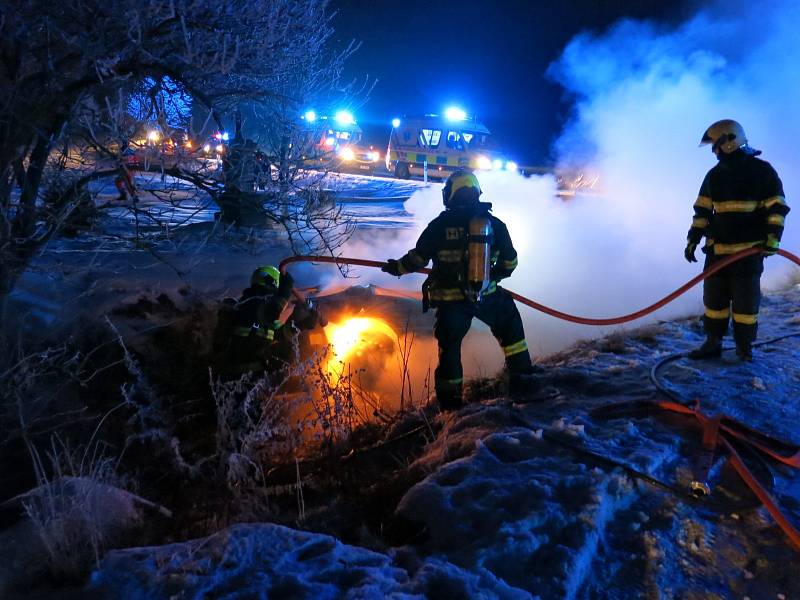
(471, 251)
(740, 205)
(250, 336)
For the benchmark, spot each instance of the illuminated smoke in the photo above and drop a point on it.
(643, 95)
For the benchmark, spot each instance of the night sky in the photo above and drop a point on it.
(488, 57)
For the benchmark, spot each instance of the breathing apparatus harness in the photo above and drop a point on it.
(476, 264)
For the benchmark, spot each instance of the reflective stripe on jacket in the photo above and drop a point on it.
(444, 241)
(740, 205)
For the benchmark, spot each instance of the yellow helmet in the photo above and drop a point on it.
(726, 135)
(265, 276)
(460, 180)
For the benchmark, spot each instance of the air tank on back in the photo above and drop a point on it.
(479, 253)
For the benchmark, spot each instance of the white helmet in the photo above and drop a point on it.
(726, 135)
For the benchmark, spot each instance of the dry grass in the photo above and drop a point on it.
(68, 512)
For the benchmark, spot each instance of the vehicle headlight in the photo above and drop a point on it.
(497, 164)
(484, 163)
(219, 148)
(207, 148)
(347, 154)
(374, 156)
(511, 166)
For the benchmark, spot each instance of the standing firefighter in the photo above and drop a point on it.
(740, 205)
(471, 251)
(250, 337)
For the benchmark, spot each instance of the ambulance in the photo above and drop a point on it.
(437, 145)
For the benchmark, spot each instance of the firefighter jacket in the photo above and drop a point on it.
(253, 322)
(740, 205)
(444, 241)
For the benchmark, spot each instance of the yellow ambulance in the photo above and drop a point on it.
(441, 144)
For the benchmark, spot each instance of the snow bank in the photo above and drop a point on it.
(515, 508)
(271, 561)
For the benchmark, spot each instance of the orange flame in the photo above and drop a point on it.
(354, 337)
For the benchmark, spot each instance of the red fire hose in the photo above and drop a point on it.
(713, 426)
(557, 313)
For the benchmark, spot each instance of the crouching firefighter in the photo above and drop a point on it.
(471, 251)
(250, 337)
(740, 205)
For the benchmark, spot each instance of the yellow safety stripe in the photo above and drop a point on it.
(451, 256)
(699, 222)
(520, 346)
(264, 332)
(770, 202)
(449, 383)
(451, 294)
(776, 220)
(745, 319)
(433, 160)
(726, 206)
(446, 294)
(733, 248)
(772, 241)
(510, 265)
(704, 202)
(717, 314)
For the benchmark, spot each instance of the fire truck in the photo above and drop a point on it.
(336, 144)
(440, 144)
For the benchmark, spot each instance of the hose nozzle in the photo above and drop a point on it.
(699, 489)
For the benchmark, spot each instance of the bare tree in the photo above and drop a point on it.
(71, 75)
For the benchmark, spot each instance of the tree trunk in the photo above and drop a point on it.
(25, 219)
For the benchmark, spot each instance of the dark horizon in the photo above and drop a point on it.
(496, 72)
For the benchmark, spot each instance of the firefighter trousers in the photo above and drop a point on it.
(453, 321)
(733, 297)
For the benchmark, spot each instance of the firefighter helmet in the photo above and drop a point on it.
(265, 276)
(726, 136)
(452, 193)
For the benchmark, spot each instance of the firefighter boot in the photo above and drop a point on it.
(524, 383)
(449, 400)
(711, 348)
(744, 351)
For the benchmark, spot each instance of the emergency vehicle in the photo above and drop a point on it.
(442, 144)
(334, 143)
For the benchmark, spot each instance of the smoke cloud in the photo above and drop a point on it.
(643, 94)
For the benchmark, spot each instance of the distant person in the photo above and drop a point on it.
(250, 338)
(471, 251)
(740, 205)
(124, 181)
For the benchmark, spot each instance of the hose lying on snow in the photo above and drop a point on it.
(775, 449)
(557, 313)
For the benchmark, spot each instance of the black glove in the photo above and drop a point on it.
(392, 267)
(689, 252)
(305, 317)
(286, 284)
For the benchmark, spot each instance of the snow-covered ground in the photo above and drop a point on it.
(499, 507)
(494, 506)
